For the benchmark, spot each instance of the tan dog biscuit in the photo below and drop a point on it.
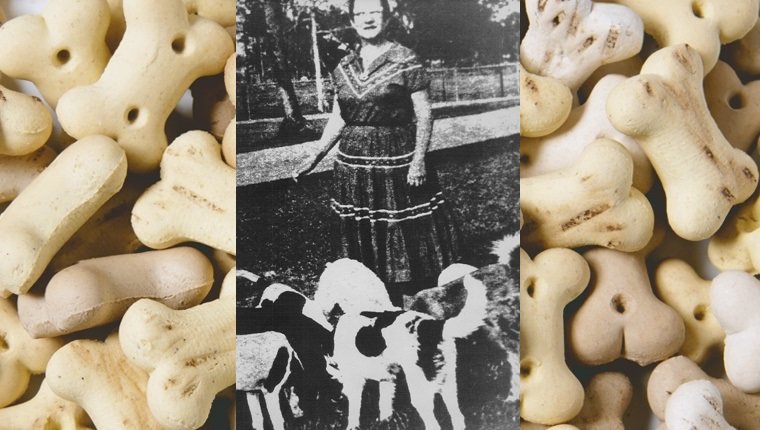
(54, 206)
(20, 355)
(741, 410)
(25, 123)
(45, 411)
(18, 172)
(98, 377)
(185, 373)
(736, 246)
(229, 141)
(621, 317)
(63, 48)
(734, 106)
(665, 111)
(743, 53)
(585, 124)
(549, 392)
(212, 108)
(590, 203)
(163, 51)
(704, 25)
(194, 201)
(569, 39)
(678, 285)
(98, 291)
(544, 104)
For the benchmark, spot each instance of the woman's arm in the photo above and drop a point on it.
(423, 110)
(330, 136)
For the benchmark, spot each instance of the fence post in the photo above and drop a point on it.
(456, 85)
(501, 80)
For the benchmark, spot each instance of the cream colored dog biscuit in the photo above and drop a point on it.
(703, 24)
(743, 54)
(741, 410)
(569, 39)
(229, 141)
(18, 172)
(585, 124)
(98, 377)
(665, 111)
(25, 122)
(735, 297)
(621, 316)
(54, 206)
(734, 106)
(544, 104)
(98, 291)
(163, 51)
(736, 246)
(189, 354)
(195, 199)
(63, 48)
(696, 405)
(20, 355)
(679, 286)
(549, 392)
(107, 232)
(590, 203)
(45, 411)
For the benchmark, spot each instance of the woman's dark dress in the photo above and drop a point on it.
(403, 233)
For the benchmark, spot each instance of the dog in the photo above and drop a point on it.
(369, 345)
(264, 363)
(504, 249)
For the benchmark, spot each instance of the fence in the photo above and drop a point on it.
(257, 101)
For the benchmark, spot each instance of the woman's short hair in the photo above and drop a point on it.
(384, 3)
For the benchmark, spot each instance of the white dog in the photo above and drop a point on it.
(370, 345)
(264, 361)
(503, 248)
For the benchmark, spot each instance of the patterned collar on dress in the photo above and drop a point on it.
(394, 61)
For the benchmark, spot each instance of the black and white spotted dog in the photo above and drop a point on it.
(370, 345)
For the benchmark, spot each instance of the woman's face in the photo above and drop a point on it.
(369, 19)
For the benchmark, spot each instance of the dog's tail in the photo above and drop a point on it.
(248, 275)
(471, 316)
(503, 248)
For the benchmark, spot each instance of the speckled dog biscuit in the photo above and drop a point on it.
(736, 246)
(163, 51)
(696, 405)
(63, 48)
(545, 104)
(98, 291)
(45, 411)
(195, 199)
(16, 173)
(51, 209)
(20, 355)
(189, 354)
(25, 123)
(99, 378)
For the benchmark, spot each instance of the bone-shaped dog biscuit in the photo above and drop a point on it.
(743, 54)
(549, 392)
(734, 106)
(621, 317)
(590, 203)
(734, 297)
(18, 172)
(163, 51)
(544, 104)
(20, 355)
(569, 39)
(98, 291)
(98, 377)
(585, 124)
(696, 405)
(54, 206)
(665, 111)
(63, 48)
(703, 24)
(190, 355)
(44, 411)
(25, 122)
(681, 288)
(229, 141)
(736, 246)
(195, 199)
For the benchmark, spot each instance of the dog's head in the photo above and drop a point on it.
(286, 302)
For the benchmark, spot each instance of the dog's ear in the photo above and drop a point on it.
(335, 313)
(289, 303)
(370, 341)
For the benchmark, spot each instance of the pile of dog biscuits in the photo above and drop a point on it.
(639, 141)
(118, 220)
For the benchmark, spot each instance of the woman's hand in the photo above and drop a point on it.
(416, 176)
(306, 166)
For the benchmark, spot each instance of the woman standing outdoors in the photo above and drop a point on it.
(391, 213)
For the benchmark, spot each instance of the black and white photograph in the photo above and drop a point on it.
(378, 214)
